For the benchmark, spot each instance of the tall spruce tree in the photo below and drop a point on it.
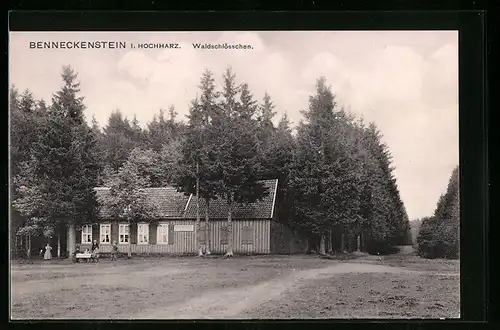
(376, 202)
(64, 165)
(277, 156)
(161, 130)
(117, 140)
(234, 131)
(325, 180)
(26, 118)
(196, 166)
(439, 236)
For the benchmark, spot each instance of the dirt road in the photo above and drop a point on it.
(231, 303)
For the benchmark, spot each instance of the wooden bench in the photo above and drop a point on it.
(85, 256)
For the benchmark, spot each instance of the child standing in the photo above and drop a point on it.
(114, 251)
(77, 250)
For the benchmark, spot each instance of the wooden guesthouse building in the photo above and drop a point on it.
(256, 229)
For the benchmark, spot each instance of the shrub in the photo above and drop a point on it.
(381, 248)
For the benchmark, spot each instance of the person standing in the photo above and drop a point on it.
(95, 251)
(48, 253)
(114, 251)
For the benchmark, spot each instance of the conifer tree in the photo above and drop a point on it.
(234, 131)
(325, 180)
(26, 118)
(439, 236)
(196, 165)
(277, 155)
(117, 140)
(64, 165)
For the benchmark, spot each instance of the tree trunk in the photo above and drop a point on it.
(322, 244)
(330, 243)
(229, 252)
(29, 247)
(197, 236)
(358, 245)
(129, 240)
(15, 251)
(342, 243)
(58, 245)
(349, 241)
(71, 244)
(207, 227)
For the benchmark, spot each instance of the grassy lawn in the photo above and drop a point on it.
(241, 288)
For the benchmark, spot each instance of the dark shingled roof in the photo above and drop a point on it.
(218, 208)
(174, 204)
(169, 202)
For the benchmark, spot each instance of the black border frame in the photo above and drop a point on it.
(472, 97)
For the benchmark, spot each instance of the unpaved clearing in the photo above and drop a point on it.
(188, 288)
(231, 303)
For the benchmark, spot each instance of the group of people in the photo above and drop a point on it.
(47, 252)
(95, 252)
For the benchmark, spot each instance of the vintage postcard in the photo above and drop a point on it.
(234, 175)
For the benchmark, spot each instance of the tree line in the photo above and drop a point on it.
(335, 175)
(439, 235)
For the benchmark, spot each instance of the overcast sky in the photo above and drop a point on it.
(406, 82)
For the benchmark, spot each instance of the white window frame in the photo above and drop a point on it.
(87, 234)
(123, 230)
(162, 232)
(143, 233)
(103, 232)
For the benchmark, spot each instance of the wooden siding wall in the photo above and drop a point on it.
(261, 232)
(184, 242)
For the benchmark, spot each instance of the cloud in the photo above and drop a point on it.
(407, 82)
(413, 100)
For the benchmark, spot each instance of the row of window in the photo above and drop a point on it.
(162, 234)
(124, 234)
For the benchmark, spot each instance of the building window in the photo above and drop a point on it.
(123, 234)
(105, 233)
(87, 234)
(162, 234)
(247, 235)
(142, 233)
(223, 235)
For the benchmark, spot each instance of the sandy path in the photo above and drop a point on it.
(230, 303)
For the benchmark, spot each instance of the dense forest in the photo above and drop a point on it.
(439, 235)
(335, 174)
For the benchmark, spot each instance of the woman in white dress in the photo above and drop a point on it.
(48, 253)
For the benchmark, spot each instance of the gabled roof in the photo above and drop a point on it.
(218, 209)
(173, 204)
(169, 202)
